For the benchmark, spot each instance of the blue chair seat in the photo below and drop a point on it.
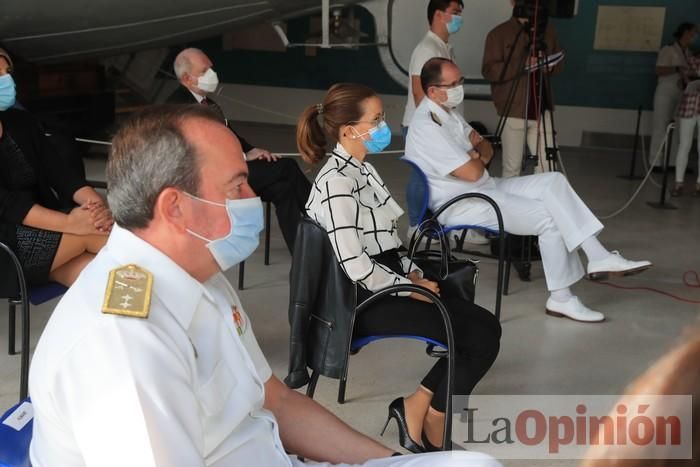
(360, 342)
(45, 293)
(16, 428)
(452, 228)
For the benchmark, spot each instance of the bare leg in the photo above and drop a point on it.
(434, 426)
(67, 273)
(74, 252)
(416, 406)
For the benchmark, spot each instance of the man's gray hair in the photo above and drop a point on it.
(183, 63)
(150, 153)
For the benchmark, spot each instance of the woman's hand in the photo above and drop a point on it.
(428, 284)
(414, 276)
(80, 222)
(101, 216)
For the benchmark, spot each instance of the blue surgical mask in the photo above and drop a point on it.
(380, 138)
(7, 92)
(455, 24)
(246, 216)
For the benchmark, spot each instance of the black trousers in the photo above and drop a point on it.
(477, 337)
(285, 185)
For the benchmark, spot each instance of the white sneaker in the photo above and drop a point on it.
(476, 237)
(615, 265)
(573, 309)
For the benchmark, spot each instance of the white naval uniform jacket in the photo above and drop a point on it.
(439, 144)
(179, 388)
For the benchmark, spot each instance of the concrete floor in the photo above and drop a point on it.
(539, 354)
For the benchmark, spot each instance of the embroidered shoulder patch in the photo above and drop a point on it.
(435, 118)
(128, 292)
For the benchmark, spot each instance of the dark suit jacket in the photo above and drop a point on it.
(58, 174)
(182, 95)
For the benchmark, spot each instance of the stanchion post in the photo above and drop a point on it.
(633, 162)
(662, 204)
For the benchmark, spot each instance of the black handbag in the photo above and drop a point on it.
(457, 277)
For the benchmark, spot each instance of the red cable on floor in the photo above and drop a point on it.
(694, 284)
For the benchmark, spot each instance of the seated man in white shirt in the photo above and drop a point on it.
(454, 158)
(149, 359)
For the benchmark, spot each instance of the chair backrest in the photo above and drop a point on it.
(16, 427)
(417, 194)
(321, 307)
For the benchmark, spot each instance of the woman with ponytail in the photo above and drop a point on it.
(350, 200)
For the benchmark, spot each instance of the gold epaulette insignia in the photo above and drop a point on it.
(128, 292)
(435, 118)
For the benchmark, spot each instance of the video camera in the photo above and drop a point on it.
(535, 11)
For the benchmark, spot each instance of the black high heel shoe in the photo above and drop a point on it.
(398, 412)
(427, 445)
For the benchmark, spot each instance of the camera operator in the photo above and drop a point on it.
(511, 47)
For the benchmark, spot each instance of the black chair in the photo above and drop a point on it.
(418, 196)
(322, 312)
(241, 266)
(36, 296)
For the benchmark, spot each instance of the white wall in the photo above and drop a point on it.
(410, 23)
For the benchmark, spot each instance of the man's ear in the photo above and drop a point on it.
(431, 93)
(186, 79)
(169, 208)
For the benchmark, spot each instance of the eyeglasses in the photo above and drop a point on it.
(459, 82)
(381, 118)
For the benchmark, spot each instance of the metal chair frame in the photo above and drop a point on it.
(22, 301)
(447, 436)
(437, 231)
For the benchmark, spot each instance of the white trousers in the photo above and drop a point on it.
(544, 205)
(433, 459)
(512, 141)
(666, 100)
(686, 129)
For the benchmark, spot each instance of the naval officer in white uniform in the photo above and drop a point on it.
(149, 359)
(454, 158)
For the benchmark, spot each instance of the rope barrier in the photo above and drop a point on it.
(662, 147)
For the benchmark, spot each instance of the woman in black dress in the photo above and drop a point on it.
(352, 202)
(53, 221)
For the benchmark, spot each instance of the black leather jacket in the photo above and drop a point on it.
(322, 304)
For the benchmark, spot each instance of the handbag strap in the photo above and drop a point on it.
(427, 226)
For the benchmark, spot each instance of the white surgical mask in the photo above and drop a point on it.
(455, 96)
(209, 81)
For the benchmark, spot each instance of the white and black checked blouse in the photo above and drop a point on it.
(351, 201)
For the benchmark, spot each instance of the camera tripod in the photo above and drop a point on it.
(538, 82)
